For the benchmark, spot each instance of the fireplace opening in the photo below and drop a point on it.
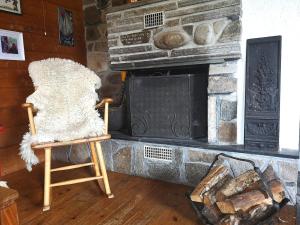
(167, 103)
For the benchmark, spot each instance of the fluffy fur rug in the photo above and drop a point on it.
(65, 97)
(3, 184)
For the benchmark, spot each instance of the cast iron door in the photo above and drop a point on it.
(262, 101)
(168, 106)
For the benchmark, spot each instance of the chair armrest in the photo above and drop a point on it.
(102, 103)
(29, 105)
(26, 105)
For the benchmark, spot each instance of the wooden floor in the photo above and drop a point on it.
(137, 201)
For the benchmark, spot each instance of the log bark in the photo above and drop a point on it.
(212, 213)
(209, 197)
(230, 220)
(274, 184)
(237, 185)
(258, 212)
(269, 174)
(243, 202)
(214, 176)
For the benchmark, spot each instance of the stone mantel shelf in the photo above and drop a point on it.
(133, 5)
(161, 64)
(202, 144)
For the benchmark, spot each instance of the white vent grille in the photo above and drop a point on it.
(154, 152)
(154, 19)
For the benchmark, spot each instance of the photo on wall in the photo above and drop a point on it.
(13, 6)
(12, 46)
(65, 25)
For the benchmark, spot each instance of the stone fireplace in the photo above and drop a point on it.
(195, 33)
(206, 32)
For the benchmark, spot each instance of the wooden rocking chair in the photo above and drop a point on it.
(96, 156)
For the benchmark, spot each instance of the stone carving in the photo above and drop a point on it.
(232, 32)
(135, 38)
(170, 39)
(220, 25)
(204, 34)
(208, 33)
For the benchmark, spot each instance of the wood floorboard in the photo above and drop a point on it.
(138, 201)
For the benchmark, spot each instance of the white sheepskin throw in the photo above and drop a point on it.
(65, 98)
(3, 184)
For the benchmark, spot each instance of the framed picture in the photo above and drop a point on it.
(12, 46)
(13, 6)
(65, 26)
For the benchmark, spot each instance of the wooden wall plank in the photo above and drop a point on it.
(13, 116)
(11, 160)
(14, 78)
(15, 83)
(14, 96)
(12, 136)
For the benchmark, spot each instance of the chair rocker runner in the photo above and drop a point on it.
(97, 160)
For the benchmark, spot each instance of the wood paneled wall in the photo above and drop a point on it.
(15, 84)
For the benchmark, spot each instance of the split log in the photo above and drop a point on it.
(269, 174)
(277, 190)
(243, 202)
(212, 213)
(276, 187)
(258, 212)
(255, 186)
(214, 176)
(230, 220)
(237, 185)
(209, 197)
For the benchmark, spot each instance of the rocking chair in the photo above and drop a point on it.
(97, 159)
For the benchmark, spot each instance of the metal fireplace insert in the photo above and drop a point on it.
(168, 102)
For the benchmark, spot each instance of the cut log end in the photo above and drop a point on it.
(214, 176)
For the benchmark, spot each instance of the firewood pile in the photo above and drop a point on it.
(246, 199)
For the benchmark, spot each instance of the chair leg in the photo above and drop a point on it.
(96, 165)
(47, 179)
(103, 170)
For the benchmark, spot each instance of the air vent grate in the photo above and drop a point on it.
(154, 152)
(153, 19)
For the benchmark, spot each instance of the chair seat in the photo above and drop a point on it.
(72, 142)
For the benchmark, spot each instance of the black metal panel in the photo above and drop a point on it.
(168, 104)
(262, 103)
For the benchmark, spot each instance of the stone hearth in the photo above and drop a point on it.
(189, 164)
